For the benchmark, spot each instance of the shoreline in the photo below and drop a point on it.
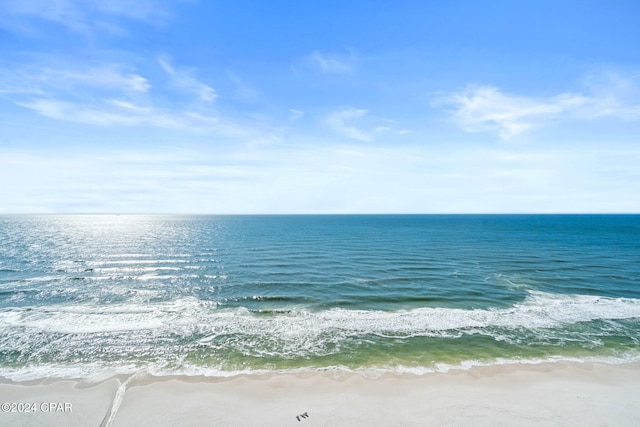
(551, 393)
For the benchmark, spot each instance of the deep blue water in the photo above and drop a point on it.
(81, 295)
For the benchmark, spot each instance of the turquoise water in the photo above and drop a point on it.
(219, 295)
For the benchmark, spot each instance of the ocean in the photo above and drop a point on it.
(87, 295)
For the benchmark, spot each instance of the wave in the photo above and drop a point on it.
(538, 310)
(194, 337)
(97, 372)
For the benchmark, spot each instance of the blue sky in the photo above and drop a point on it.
(159, 106)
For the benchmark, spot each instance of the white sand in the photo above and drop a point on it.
(88, 402)
(557, 394)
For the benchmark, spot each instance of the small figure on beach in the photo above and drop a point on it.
(304, 415)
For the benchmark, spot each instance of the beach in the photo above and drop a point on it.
(546, 394)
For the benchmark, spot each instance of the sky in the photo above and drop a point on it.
(319, 107)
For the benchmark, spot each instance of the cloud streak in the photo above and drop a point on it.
(183, 78)
(79, 16)
(488, 109)
(103, 79)
(117, 112)
(331, 63)
(108, 76)
(351, 122)
(112, 95)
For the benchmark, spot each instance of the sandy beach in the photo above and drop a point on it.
(551, 394)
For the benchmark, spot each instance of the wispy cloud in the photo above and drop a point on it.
(118, 112)
(354, 123)
(183, 78)
(614, 94)
(108, 76)
(79, 82)
(115, 96)
(331, 63)
(488, 109)
(105, 113)
(295, 114)
(79, 16)
(63, 12)
(243, 92)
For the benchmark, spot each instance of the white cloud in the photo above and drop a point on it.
(79, 16)
(486, 108)
(183, 78)
(45, 80)
(128, 106)
(73, 112)
(112, 96)
(331, 63)
(117, 112)
(351, 122)
(63, 12)
(242, 91)
(613, 94)
(108, 76)
(295, 114)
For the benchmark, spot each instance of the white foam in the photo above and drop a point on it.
(541, 317)
(538, 310)
(97, 372)
(93, 372)
(84, 318)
